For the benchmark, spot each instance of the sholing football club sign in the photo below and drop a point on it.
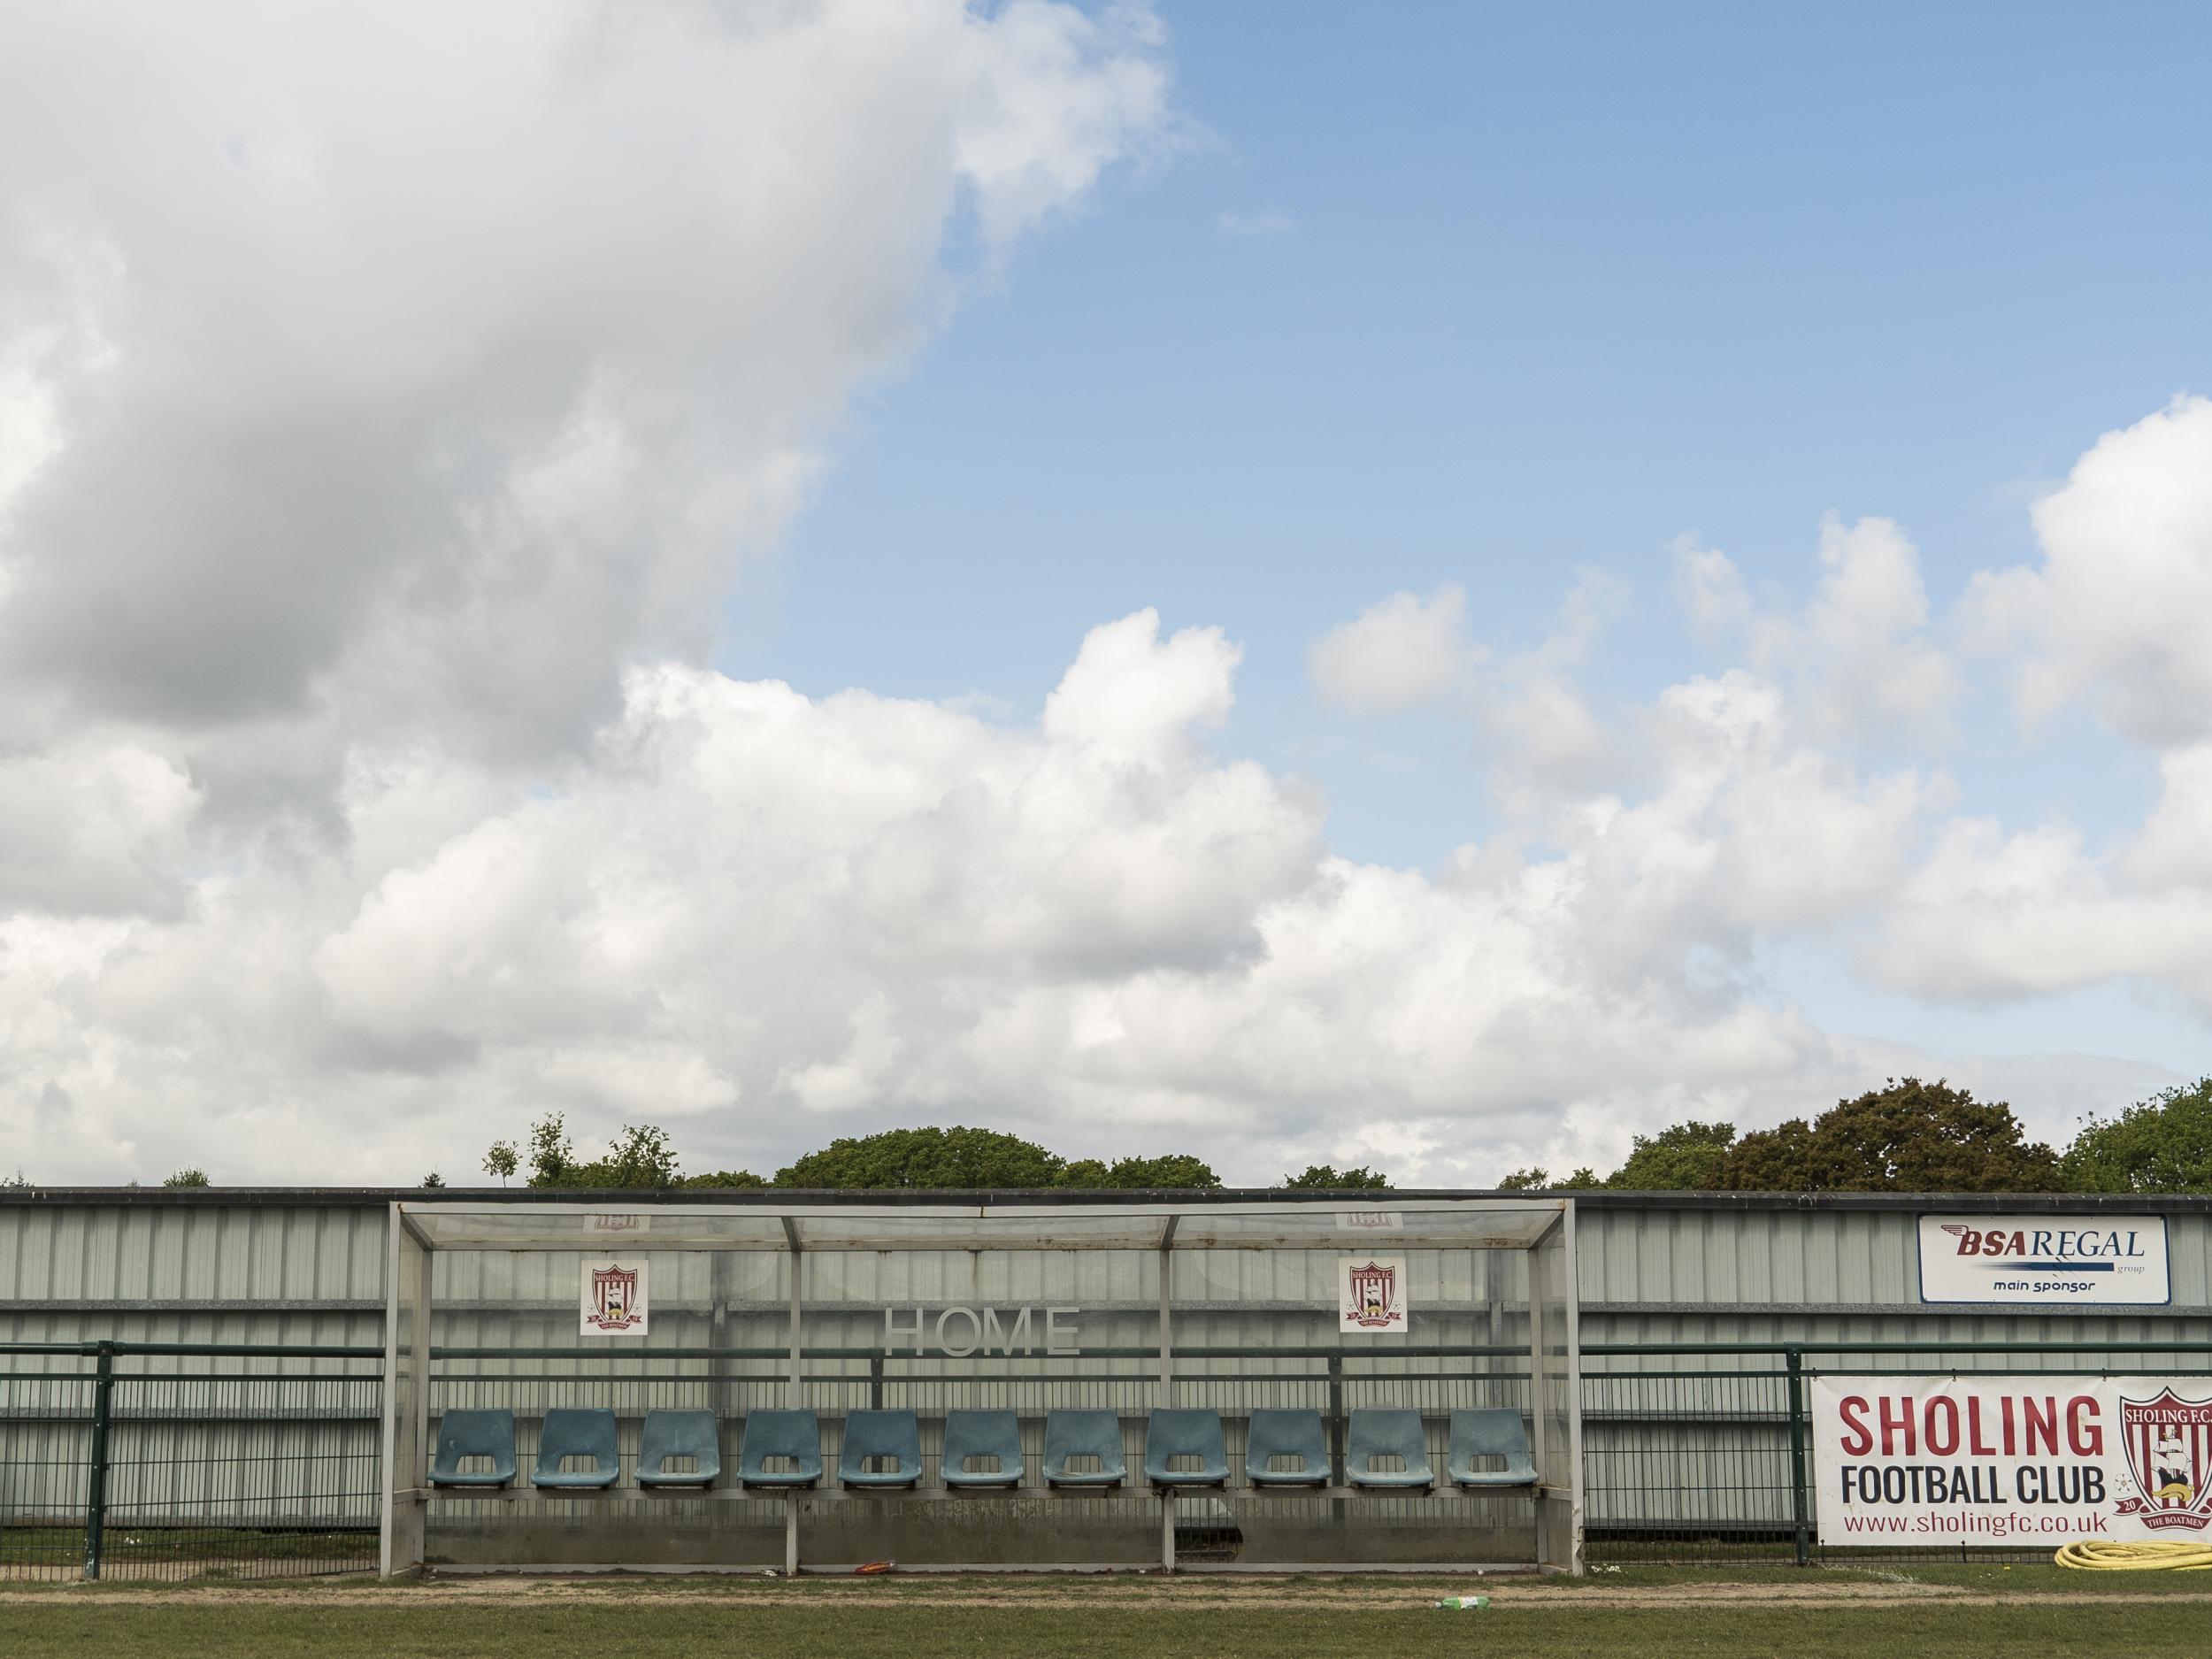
(1371, 1295)
(2047, 1259)
(614, 1298)
(2008, 1460)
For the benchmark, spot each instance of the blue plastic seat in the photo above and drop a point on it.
(1192, 1432)
(1072, 1434)
(992, 1440)
(796, 1435)
(668, 1434)
(577, 1432)
(1491, 1431)
(892, 1435)
(474, 1433)
(1387, 1432)
(1296, 1437)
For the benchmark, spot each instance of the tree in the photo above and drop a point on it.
(16, 1179)
(1176, 1170)
(1539, 1181)
(956, 1157)
(502, 1160)
(2161, 1144)
(725, 1180)
(1909, 1137)
(1327, 1177)
(1681, 1159)
(433, 1181)
(187, 1176)
(550, 1153)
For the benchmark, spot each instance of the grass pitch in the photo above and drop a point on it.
(1964, 1613)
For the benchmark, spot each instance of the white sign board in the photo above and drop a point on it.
(2049, 1260)
(614, 1297)
(2034, 1460)
(1371, 1295)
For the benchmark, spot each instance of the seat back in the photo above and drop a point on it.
(1077, 1432)
(577, 1432)
(475, 1431)
(1490, 1432)
(795, 1434)
(1386, 1431)
(1192, 1432)
(892, 1434)
(982, 1435)
(670, 1433)
(1294, 1434)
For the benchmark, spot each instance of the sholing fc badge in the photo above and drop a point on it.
(2168, 1440)
(1371, 1294)
(613, 1298)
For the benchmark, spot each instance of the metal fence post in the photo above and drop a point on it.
(875, 1382)
(96, 1487)
(1800, 1508)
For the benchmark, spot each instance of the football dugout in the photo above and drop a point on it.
(815, 1382)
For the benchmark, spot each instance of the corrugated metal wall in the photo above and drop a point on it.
(1652, 1274)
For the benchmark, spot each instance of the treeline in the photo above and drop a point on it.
(976, 1159)
(1916, 1137)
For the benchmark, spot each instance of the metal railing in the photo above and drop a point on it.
(1701, 1452)
(123, 1459)
(171, 1460)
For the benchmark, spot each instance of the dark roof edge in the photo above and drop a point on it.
(1955, 1203)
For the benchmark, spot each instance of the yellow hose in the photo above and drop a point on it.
(2109, 1555)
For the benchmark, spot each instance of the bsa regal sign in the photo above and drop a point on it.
(1371, 1295)
(2068, 1260)
(614, 1298)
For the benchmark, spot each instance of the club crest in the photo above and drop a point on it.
(1374, 1297)
(614, 1299)
(2168, 1441)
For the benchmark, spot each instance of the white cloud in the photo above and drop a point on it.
(2121, 602)
(1267, 222)
(1860, 653)
(1400, 653)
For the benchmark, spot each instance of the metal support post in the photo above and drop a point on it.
(1799, 1506)
(96, 1492)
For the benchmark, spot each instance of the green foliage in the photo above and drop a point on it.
(433, 1181)
(1326, 1178)
(897, 1158)
(2161, 1144)
(550, 1152)
(187, 1176)
(1909, 1137)
(502, 1160)
(1683, 1158)
(16, 1179)
(725, 1180)
(1540, 1180)
(1175, 1170)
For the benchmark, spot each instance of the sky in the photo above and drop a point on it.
(1438, 590)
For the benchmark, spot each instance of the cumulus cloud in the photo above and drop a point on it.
(1400, 653)
(414, 368)
(2121, 602)
(383, 409)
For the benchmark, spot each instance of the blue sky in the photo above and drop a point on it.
(1524, 290)
(403, 525)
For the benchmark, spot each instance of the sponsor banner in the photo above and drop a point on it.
(1900, 1460)
(614, 1298)
(1371, 1295)
(2072, 1260)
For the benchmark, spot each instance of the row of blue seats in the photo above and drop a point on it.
(1386, 1449)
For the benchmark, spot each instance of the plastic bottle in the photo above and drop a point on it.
(1470, 1602)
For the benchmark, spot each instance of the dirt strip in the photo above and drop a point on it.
(1195, 1597)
